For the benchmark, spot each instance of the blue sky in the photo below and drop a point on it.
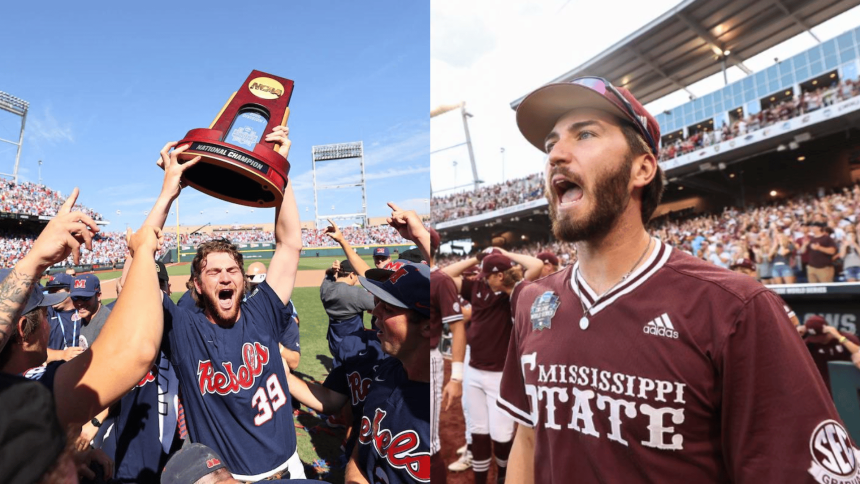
(109, 85)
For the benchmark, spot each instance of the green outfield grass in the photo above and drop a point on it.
(305, 264)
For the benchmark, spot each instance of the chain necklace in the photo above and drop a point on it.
(583, 322)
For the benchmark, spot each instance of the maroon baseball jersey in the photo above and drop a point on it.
(686, 373)
(489, 330)
(832, 351)
(444, 304)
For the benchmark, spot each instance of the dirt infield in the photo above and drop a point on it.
(177, 283)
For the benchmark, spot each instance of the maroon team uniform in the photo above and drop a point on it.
(686, 373)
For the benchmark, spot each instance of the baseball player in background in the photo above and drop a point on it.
(85, 385)
(381, 257)
(444, 309)
(232, 383)
(141, 429)
(550, 263)
(641, 363)
(64, 320)
(488, 335)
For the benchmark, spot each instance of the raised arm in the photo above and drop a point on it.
(532, 265)
(89, 383)
(357, 262)
(456, 269)
(63, 235)
(288, 231)
(315, 396)
(173, 171)
(410, 227)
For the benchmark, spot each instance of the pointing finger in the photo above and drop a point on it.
(70, 202)
(394, 207)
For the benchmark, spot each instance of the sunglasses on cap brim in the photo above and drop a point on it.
(601, 86)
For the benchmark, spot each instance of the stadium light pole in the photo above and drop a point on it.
(40, 172)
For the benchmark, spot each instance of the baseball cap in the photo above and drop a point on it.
(383, 274)
(346, 266)
(161, 270)
(494, 264)
(435, 239)
(191, 464)
(381, 252)
(31, 438)
(548, 257)
(744, 262)
(86, 285)
(815, 324)
(484, 253)
(60, 280)
(412, 255)
(408, 287)
(541, 109)
(38, 298)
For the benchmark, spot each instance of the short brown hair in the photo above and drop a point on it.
(198, 264)
(512, 276)
(652, 193)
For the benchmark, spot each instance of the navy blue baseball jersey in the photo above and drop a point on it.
(353, 377)
(65, 328)
(290, 337)
(44, 374)
(341, 347)
(233, 383)
(140, 432)
(394, 438)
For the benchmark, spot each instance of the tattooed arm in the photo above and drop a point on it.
(63, 235)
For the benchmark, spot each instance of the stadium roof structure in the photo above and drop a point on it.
(690, 42)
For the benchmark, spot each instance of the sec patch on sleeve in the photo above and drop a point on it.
(834, 460)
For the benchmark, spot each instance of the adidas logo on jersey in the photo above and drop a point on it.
(661, 326)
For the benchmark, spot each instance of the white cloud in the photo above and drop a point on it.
(45, 128)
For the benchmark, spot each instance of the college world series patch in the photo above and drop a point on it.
(543, 310)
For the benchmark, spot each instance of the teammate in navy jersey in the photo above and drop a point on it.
(141, 429)
(233, 383)
(348, 383)
(642, 363)
(394, 434)
(85, 385)
(64, 320)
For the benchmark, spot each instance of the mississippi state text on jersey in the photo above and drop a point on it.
(686, 373)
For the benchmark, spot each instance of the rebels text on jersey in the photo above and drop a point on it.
(684, 370)
(489, 329)
(354, 377)
(233, 383)
(444, 304)
(394, 437)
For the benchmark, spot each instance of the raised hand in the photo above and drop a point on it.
(407, 222)
(280, 135)
(147, 240)
(173, 170)
(64, 235)
(334, 232)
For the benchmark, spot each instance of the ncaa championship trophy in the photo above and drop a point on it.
(236, 164)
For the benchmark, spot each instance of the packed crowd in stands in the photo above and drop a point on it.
(356, 236)
(34, 199)
(235, 236)
(779, 238)
(792, 107)
(488, 198)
